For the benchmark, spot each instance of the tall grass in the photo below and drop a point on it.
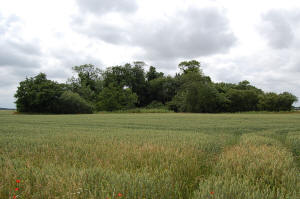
(257, 168)
(149, 155)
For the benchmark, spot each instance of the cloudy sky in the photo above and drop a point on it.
(256, 40)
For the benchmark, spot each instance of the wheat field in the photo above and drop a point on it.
(150, 155)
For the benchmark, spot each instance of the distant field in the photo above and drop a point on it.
(150, 155)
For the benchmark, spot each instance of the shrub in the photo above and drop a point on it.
(116, 98)
(275, 102)
(72, 103)
(197, 97)
(156, 105)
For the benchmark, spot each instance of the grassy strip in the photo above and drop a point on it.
(256, 168)
(140, 110)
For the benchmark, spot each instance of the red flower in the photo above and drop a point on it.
(18, 181)
(212, 193)
(17, 189)
(14, 197)
(120, 195)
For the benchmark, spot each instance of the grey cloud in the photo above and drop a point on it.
(104, 6)
(7, 77)
(18, 59)
(66, 60)
(282, 65)
(24, 47)
(1, 25)
(296, 66)
(18, 54)
(278, 27)
(14, 51)
(69, 58)
(169, 67)
(7, 97)
(106, 32)
(191, 33)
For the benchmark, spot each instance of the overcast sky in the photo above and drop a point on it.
(256, 40)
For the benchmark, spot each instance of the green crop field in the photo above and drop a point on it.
(150, 155)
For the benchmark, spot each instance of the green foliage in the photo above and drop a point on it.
(153, 74)
(201, 98)
(197, 94)
(190, 66)
(242, 100)
(38, 95)
(88, 84)
(116, 98)
(162, 89)
(286, 100)
(275, 102)
(129, 76)
(72, 103)
(188, 91)
(156, 105)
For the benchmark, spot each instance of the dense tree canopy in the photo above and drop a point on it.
(129, 85)
(70, 102)
(115, 97)
(38, 94)
(88, 82)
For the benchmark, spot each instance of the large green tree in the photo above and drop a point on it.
(196, 93)
(88, 82)
(129, 76)
(190, 66)
(39, 95)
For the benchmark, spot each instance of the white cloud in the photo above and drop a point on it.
(105, 6)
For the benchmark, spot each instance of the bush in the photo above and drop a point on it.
(116, 98)
(197, 97)
(72, 103)
(275, 102)
(242, 100)
(156, 105)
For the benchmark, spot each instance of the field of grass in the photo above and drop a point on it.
(150, 155)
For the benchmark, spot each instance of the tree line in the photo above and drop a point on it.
(129, 86)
